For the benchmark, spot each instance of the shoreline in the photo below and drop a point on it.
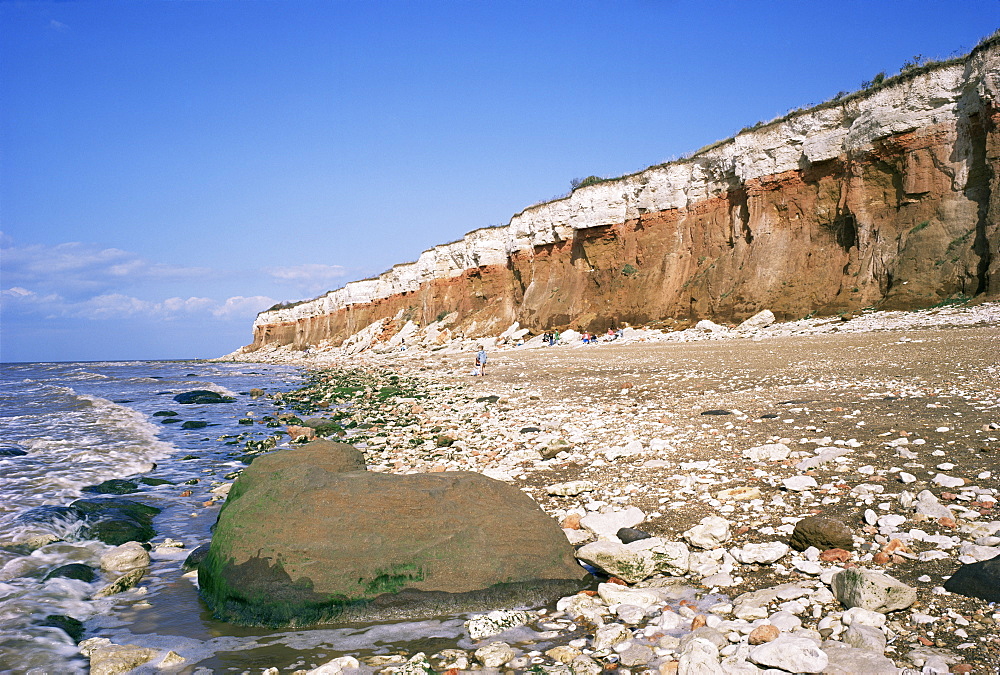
(909, 400)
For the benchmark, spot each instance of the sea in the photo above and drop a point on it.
(65, 427)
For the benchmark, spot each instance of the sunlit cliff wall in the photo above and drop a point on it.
(890, 198)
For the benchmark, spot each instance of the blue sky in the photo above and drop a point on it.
(168, 169)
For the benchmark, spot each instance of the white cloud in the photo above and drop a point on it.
(75, 268)
(239, 306)
(312, 277)
(119, 305)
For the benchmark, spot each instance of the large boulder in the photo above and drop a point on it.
(977, 580)
(301, 540)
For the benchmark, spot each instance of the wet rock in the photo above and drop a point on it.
(297, 432)
(194, 424)
(794, 654)
(717, 412)
(12, 452)
(584, 665)
(115, 486)
(494, 623)
(712, 532)
(116, 521)
(77, 571)
(164, 413)
(107, 658)
(72, 627)
(563, 654)
(977, 580)
(200, 396)
(636, 655)
(122, 583)
(128, 556)
(822, 532)
(196, 556)
(171, 660)
(448, 659)
(455, 541)
(871, 590)
(611, 635)
(495, 654)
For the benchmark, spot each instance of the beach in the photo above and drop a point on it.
(717, 440)
(792, 422)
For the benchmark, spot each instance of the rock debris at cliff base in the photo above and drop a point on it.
(892, 433)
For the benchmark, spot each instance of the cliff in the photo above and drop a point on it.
(887, 198)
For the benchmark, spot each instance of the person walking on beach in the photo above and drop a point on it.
(481, 360)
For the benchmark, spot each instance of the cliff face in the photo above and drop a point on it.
(890, 199)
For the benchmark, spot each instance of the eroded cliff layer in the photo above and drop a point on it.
(888, 199)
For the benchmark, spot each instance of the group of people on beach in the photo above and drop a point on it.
(550, 338)
(612, 334)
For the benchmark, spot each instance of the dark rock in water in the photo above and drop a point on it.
(72, 627)
(627, 535)
(116, 521)
(170, 420)
(300, 541)
(115, 486)
(196, 557)
(823, 533)
(529, 430)
(124, 400)
(12, 452)
(155, 481)
(202, 396)
(194, 424)
(717, 412)
(77, 571)
(164, 413)
(770, 416)
(487, 399)
(48, 514)
(977, 580)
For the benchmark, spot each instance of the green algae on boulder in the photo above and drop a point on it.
(305, 537)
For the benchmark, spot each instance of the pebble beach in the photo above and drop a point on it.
(713, 444)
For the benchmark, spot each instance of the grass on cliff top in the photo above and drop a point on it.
(910, 69)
